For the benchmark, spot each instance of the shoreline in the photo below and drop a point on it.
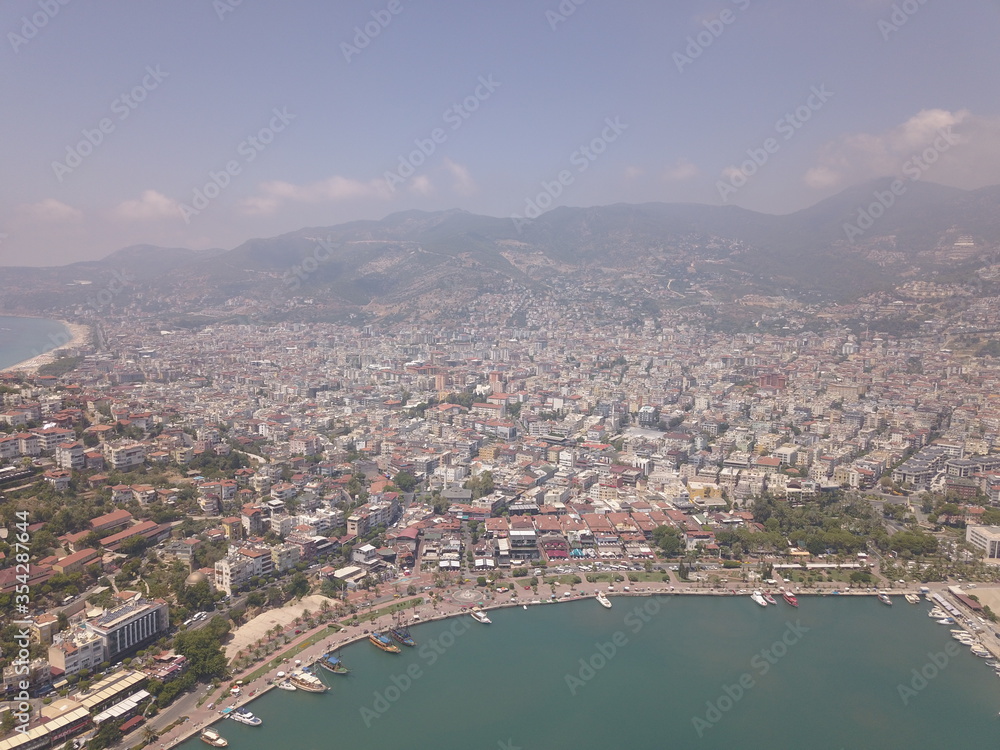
(80, 335)
(311, 654)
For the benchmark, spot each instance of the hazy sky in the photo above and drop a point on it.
(116, 115)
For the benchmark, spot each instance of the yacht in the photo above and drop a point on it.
(308, 682)
(213, 738)
(759, 598)
(912, 598)
(285, 685)
(479, 616)
(884, 598)
(243, 716)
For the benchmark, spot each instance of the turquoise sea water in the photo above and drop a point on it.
(826, 675)
(23, 338)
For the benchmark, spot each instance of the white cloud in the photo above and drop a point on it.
(49, 210)
(632, 172)
(464, 183)
(681, 170)
(421, 185)
(151, 205)
(331, 190)
(971, 162)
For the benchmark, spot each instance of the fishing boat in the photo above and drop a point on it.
(758, 598)
(383, 641)
(285, 685)
(790, 598)
(243, 716)
(603, 600)
(768, 598)
(884, 598)
(401, 634)
(479, 616)
(332, 663)
(213, 738)
(309, 682)
(912, 598)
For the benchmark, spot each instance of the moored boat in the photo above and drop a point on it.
(479, 616)
(758, 598)
(884, 598)
(308, 682)
(790, 598)
(603, 600)
(244, 716)
(768, 598)
(213, 738)
(285, 685)
(400, 633)
(332, 663)
(383, 641)
(912, 598)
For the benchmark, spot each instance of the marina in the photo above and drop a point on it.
(859, 680)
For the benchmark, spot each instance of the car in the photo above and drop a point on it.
(527, 588)
(297, 632)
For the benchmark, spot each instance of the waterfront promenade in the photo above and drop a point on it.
(454, 601)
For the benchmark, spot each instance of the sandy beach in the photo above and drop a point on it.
(81, 336)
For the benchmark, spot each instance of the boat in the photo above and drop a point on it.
(884, 598)
(912, 598)
(383, 641)
(479, 616)
(768, 598)
(790, 598)
(937, 613)
(285, 685)
(758, 598)
(309, 682)
(946, 621)
(332, 663)
(604, 601)
(243, 716)
(213, 738)
(401, 634)
(981, 652)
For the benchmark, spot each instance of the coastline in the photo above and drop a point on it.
(80, 337)
(202, 717)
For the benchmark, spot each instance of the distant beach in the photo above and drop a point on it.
(79, 337)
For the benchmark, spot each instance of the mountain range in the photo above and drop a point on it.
(928, 232)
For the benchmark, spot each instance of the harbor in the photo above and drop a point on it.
(345, 644)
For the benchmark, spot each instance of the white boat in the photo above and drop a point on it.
(603, 600)
(243, 716)
(912, 598)
(768, 598)
(285, 685)
(759, 598)
(479, 616)
(309, 682)
(884, 598)
(213, 738)
(946, 621)
(981, 652)
(937, 613)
